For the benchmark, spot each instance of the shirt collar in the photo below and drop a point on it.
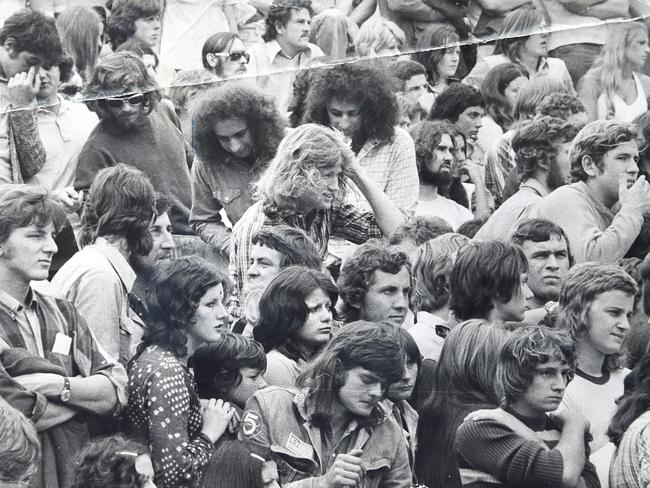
(427, 318)
(119, 263)
(534, 185)
(14, 305)
(273, 49)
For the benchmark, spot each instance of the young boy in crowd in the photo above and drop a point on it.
(520, 444)
(336, 431)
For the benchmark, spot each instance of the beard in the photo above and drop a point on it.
(441, 178)
(554, 178)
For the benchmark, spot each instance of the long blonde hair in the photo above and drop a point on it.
(613, 58)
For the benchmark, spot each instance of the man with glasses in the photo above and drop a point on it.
(225, 56)
(135, 129)
(28, 40)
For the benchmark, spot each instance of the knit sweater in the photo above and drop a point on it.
(157, 149)
(490, 454)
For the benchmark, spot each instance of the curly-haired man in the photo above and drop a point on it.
(237, 131)
(604, 164)
(542, 154)
(286, 48)
(375, 285)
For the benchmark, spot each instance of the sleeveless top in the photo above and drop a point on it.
(624, 112)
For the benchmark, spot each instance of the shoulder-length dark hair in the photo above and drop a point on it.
(373, 346)
(634, 402)
(464, 383)
(493, 89)
(172, 300)
(283, 310)
(360, 83)
(121, 22)
(231, 101)
(216, 364)
(121, 202)
(432, 45)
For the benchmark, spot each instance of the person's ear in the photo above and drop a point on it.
(279, 28)
(213, 61)
(589, 166)
(10, 46)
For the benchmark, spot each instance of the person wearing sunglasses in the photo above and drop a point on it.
(224, 55)
(135, 128)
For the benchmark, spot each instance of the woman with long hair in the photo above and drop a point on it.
(186, 308)
(499, 91)
(464, 382)
(295, 321)
(438, 51)
(615, 88)
(629, 431)
(81, 30)
(523, 40)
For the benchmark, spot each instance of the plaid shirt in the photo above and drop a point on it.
(630, 467)
(342, 220)
(499, 161)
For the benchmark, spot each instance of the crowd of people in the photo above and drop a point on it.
(324, 243)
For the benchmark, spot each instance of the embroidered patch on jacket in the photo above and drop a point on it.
(298, 447)
(251, 424)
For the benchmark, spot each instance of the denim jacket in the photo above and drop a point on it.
(278, 419)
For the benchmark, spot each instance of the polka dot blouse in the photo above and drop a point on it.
(165, 412)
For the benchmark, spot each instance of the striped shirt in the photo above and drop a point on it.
(630, 467)
(491, 455)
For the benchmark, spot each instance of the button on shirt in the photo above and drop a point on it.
(26, 319)
(269, 59)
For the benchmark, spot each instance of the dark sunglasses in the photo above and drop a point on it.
(235, 55)
(118, 102)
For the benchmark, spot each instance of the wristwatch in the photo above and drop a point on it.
(65, 393)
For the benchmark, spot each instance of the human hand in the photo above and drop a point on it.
(234, 423)
(69, 198)
(47, 384)
(346, 471)
(637, 196)
(473, 170)
(216, 417)
(23, 87)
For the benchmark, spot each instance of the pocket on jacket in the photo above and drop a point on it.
(227, 195)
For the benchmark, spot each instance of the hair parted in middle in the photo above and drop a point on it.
(356, 83)
(357, 273)
(581, 286)
(121, 203)
(230, 101)
(526, 349)
(426, 138)
(373, 346)
(283, 309)
(295, 169)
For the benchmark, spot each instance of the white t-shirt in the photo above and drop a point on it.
(444, 208)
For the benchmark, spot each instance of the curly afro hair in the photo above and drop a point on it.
(357, 83)
(265, 123)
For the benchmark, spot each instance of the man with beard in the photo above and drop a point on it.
(602, 213)
(542, 154)
(98, 279)
(433, 149)
(135, 128)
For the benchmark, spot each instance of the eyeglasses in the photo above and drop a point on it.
(235, 55)
(118, 102)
